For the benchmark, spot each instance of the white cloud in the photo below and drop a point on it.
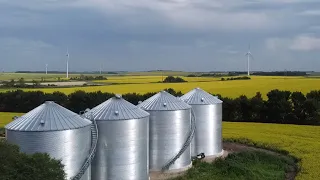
(303, 42)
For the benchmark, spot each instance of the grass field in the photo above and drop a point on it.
(300, 141)
(144, 84)
(242, 166)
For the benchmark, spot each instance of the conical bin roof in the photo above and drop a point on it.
(199, 96)
(116, 108)
(163, 101)
(49, 116)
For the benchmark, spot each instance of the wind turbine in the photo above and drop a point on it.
(248, 54)
(67, 63)
(46, 68)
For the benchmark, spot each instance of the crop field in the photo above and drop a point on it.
(300, 141)
(32, 76)
(5, 118)
(150, 79)
(54, 77)
(144, 84)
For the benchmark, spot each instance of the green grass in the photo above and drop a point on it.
(244, 165)
(299, 141)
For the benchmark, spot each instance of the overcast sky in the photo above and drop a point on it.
(133, 35)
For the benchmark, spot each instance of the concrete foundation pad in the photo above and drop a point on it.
(222, 154)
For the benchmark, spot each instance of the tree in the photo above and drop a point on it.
(228, 109)
(243, 109)
(171, 79)
(35, 83)
(21, 82)
(258, 108)
(279, 107)
(173, 92)
(20, 166)
(298, 100)
(10, 83)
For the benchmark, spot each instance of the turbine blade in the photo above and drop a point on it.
(251, 56)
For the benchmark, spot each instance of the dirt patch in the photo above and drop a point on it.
(228, 149)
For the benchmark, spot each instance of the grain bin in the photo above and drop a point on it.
(53, 129)
(171, 132)
(123, 145)
(208, 112)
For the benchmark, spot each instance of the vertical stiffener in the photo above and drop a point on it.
(171, 132)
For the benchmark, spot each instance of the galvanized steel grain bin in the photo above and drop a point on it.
(170, 126)
(53, 129)
(123, 145)
(208, 112)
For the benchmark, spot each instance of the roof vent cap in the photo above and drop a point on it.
(165, 104)
(42, 122)
(118, 96)
(202, 99)
(116, 112)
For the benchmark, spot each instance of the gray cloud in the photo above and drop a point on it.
(199, 35)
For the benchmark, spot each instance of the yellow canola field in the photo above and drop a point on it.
(301, 141)
(213, 85)
(150, 79)
(5, 118)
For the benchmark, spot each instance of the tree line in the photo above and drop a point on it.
(283, 107)
(88, 78)
(236, 78)
(280, 73)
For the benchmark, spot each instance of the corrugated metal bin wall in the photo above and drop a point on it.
(123, 145)
(52, 129)
(170, 124)
(208, 113)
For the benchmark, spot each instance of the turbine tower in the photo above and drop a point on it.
(248, 54)
(67, 63)
(46, 68)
